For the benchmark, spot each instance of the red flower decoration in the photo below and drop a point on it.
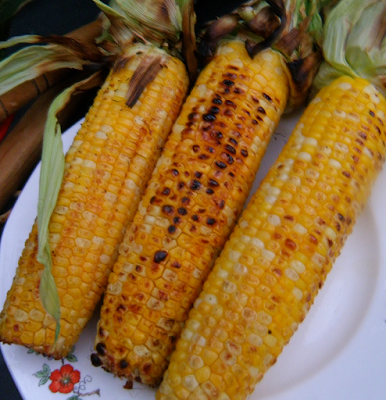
(63, 381)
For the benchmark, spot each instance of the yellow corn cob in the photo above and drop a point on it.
(107, 167)
(193, 199)
(285, 243)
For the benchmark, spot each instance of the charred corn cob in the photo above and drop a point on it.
(284, 245)
(192, 202)
(107, 167)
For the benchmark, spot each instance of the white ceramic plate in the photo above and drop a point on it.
(339, 352)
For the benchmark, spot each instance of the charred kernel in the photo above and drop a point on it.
(239, 91)
(267, 97)
(230, 148)
(196, 148)
(313, 239)
(207, 126)
(209, 117)
(255, 99)
(180, 186)
(261, 109)
(290, 244)
(220, 164)
(182, 211)
(341, 217)
(176, 220)
(122, 308)
(172, 229)
(233, 141)
(210, 221)
(213, 183)
(228, 113)
(216, 134)
(185, 200)
(166, 191)
(101, 348)
(95, 360)
(372, 113)
(160, 256)
(198, 174)
(254, 122)
(209, 191)
(203, 156)
(217, 101)
(152, 200)
(193, 116)
(230, 103)
(227, 158)
(123, 364)
(139, 269)
(128, 385)
(214, 110)
(244, 152)
(175, 172)
(230, 75)
(168, 210)
(220, 204)
(231, 174)
(346, 174)
(195, 185)
(176, 264)
(228, 83)
(195, 217)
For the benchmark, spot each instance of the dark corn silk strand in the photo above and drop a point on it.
(192, 202)
(282, 248)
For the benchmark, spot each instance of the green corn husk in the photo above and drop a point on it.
(354, 47)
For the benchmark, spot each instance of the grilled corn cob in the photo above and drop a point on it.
(192, 202)
(107, 167)
(284, 244)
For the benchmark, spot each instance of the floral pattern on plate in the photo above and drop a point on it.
(65, 379)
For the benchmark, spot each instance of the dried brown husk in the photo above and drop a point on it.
(291, 27)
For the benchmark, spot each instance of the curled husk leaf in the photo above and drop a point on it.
(353, 46)
(162, 23)
(33, 61)
(291, 27)
(51, 175)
